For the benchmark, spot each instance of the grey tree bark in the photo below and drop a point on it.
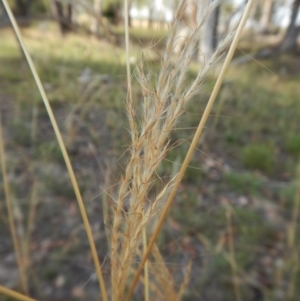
(151, 11)
(21, 12)
(3, 15)
(22, 7)
(210, 38)
(129, 15)
(289, 42)
(63, 15)
(266, 17)
(96, 24)
(188, 22)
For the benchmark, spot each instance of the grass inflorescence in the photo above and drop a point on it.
(163, 105)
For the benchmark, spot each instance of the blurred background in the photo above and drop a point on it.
(236, 213)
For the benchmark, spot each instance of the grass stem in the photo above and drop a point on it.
(17, 296)
(63, 150)
(11, 222)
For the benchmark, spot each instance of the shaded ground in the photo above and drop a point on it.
(241, 184)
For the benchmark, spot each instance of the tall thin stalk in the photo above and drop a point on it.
(11, 221)
(146, 268)
(63, 150)
(17, 296)
(193, 144)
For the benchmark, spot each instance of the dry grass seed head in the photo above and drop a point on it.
(162, 109)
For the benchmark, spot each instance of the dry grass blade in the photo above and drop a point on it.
(9, 207)
(63, 150)
(163, 283)
(195, 139)
(10, 293)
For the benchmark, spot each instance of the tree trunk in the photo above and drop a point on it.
(21, 12)
(117, 14)
(215, 23)
(188, 22)
(64, 17)
(231, 17)
(59, 15)
(210, 37)
(266, 16)
(151, 11)
(22, 8)
(69, 13)
(289, 42)
(3, 15)
(129, 16)
(95, 24)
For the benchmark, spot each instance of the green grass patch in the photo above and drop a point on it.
(245, 183)
(50, 151)
(293, 145)
(258, 157)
